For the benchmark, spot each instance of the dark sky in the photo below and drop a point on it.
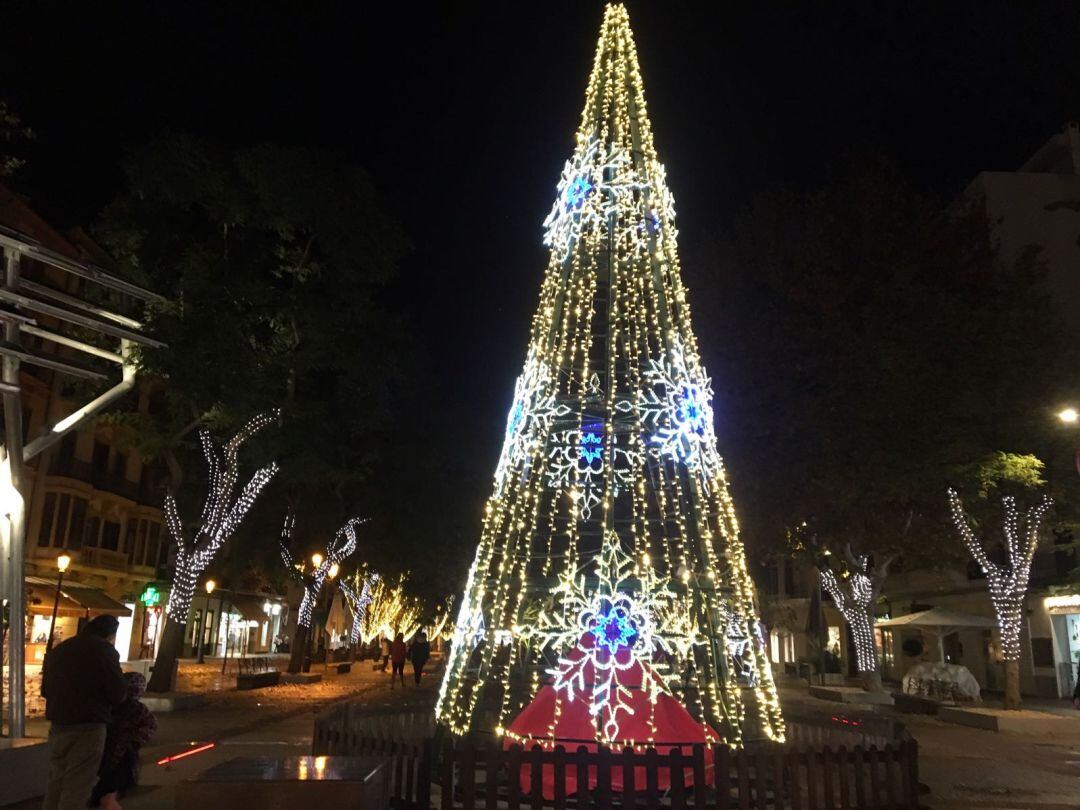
(464, 114)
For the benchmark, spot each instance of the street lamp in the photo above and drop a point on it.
(62, 563)
(316, 559)
(333, 572)
(210, 585)
(1070, 416)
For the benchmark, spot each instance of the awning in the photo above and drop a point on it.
(75, 600)
(250, 608)
(938, 621)
(40, 596)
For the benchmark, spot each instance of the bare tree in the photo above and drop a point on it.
(855, 591)
(358, 601)
(323, 566)
(1008, 580)
(223, 511)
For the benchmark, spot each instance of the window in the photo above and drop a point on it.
(78, 523)
(62, 521)
(140, 536)
(93, 529)
(110, 537)
(47, 519)
(100, 461)
(152, 549)
(129, 535)
(64, 455)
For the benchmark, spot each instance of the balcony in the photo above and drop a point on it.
(105, 481)
(104, 558)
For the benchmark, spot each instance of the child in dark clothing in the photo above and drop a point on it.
(132, 725)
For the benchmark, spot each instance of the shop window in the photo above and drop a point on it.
(78, 523)
(62, 521)
(47, 515)
(110, 536)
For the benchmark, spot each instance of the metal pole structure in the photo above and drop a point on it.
(55, 607)
(225, 652)
(16, 590)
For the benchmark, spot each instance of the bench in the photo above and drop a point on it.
(342, 669)
(257, 680)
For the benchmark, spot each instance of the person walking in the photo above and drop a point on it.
(398, 652)
(419, 653)
(81, 682)
(384, 650)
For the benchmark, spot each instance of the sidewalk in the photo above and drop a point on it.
(275, 721)
(970, 768)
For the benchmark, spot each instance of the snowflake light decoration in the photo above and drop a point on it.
(677, 404)
(609, 631)
(529, 418)
(570, 211)
(576, 463)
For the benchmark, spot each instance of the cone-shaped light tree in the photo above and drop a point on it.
(610, 449)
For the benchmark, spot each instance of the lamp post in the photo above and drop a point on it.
(210, 585)
(1070, 416)
(62, 563)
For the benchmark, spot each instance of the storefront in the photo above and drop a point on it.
(75, 605)
(1064, 610)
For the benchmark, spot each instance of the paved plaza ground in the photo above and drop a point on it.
(964, 767)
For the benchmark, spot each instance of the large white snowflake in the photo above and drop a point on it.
(677, 405)
(594, 186)
(578, 464)
(609, 630)
(529, 419)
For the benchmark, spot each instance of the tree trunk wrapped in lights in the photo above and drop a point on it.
(855, 594)
(609, 440)
(358, 597)
(323, 566)
(389, 611)
(223, 511)
(1008, 580)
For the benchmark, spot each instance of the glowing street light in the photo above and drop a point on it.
(316, 559)
(333, 572)
(62, 563)
(1069, 416)
(200, 638)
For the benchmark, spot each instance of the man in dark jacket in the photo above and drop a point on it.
(81, 681)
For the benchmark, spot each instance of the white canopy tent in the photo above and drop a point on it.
(938, 622)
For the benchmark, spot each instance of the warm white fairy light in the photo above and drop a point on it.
(390, 610)
(1007, 581)
(610, 430)
(223, 511)
(340, 547)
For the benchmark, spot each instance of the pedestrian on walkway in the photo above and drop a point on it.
(419, 653)
(398, 652)
(81, 682)
(132, 726)
(384, 650)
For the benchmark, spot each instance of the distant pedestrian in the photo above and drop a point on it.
(133, 725)
(81, 682)
(398, 652)
(384, 651)
(419, 653)
(1076, 689)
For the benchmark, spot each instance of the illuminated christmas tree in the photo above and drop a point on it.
(610, 543)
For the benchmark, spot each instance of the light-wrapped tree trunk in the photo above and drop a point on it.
(1008, 582)
(343, 544)
(223, 511)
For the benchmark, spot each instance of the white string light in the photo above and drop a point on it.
(358, 602)
(341, 547)
(1008, 582)
(222, 513)
(854, 598)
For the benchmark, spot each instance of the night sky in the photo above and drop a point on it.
(464, 113)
